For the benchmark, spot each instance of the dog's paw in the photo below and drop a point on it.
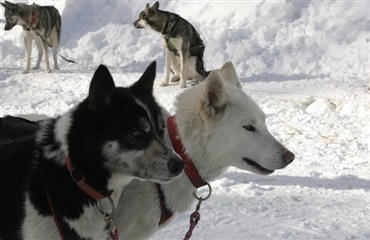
(175, 79)
(183, 85)
(26, 71)
(163, 84)
(48, 70)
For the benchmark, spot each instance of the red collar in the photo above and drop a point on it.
(33, 17)
(78, 176)
(190, 168)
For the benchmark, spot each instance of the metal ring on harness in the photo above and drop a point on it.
(208, 196)
(104, 213)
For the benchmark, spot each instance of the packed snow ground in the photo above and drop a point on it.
(306, 63)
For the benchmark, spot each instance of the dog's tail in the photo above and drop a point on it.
(58, 24)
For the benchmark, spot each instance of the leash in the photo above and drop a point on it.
(191, 172)
(195, 216)
(45, 41)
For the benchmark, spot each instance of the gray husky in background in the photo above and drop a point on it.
(183, 46)
(40, 23)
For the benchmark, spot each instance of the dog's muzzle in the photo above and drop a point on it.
(257, 166)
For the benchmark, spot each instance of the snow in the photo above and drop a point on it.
(306, 63)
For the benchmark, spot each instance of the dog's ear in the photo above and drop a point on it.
(215, 96)
(102, 89)
(228, 73)
(146, 81)
(10, 6)
(155, 6)
(147, 8)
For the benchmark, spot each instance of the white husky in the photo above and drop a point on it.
(219, 126)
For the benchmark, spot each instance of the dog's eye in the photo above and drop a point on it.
(162, 127)
(135, 132)
(249, 128)
(144, 125)
(143, 15)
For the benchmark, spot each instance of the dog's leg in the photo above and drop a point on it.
(55, 44)
(183, 68)
(175, 68)
(167, 67)
(39, 53)
(45, 48)
(55, 57)
(28, 47)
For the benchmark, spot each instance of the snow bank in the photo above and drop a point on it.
(311, 38)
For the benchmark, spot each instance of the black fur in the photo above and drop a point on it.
(33, 166)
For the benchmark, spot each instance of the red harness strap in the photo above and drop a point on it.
(166, 213)
(55, 216)
(33, 17)
(79, 178)
(190, 169)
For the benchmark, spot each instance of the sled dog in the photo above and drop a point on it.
(40, 23)
(75, 167)
(219, 126)
(183, 47)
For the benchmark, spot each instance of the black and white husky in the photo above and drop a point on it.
(77, 165)
(40, 23)
(183, 47)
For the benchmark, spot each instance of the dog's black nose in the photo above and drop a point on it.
(288, 156)
(175, 166)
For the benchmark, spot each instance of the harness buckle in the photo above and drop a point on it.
(77, 175)
(108, 217)
(206, 197)
(107, 214)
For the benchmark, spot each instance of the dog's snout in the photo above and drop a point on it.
(176, 166)
(136, 23)
(288, 156)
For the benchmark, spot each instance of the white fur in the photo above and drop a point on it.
(42, 228)
(210, 120)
